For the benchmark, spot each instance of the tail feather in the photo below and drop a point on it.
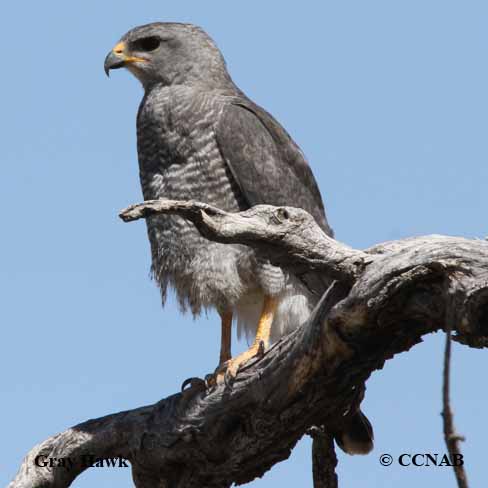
(357, 436)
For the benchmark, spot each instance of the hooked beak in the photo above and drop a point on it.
(118, 57)
(112, 61)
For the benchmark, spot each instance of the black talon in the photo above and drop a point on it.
(194, 382)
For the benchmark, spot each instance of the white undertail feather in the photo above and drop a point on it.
(295, 306)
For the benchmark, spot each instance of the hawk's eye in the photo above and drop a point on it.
(147, 44)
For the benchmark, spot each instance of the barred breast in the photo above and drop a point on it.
(179, 159)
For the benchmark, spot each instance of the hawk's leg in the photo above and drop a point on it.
(263, 333)
(225, 351)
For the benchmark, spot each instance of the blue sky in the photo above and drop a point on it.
(389, 102)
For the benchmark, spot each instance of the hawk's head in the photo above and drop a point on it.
(168, 53)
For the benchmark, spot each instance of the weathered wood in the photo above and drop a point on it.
(288, 235)
(324, 459)
(384, 300)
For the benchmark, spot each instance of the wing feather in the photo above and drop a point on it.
(267, 165)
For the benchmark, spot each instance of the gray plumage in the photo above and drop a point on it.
(200, 138)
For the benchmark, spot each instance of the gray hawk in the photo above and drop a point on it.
(200, 138)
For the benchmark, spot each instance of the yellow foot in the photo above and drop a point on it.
(227, 370)
(235, 363)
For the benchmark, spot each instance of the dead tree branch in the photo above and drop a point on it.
(451, 438)
(324, 459)
(384, 300)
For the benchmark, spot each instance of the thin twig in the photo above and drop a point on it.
(452, 439)
(324, 459)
